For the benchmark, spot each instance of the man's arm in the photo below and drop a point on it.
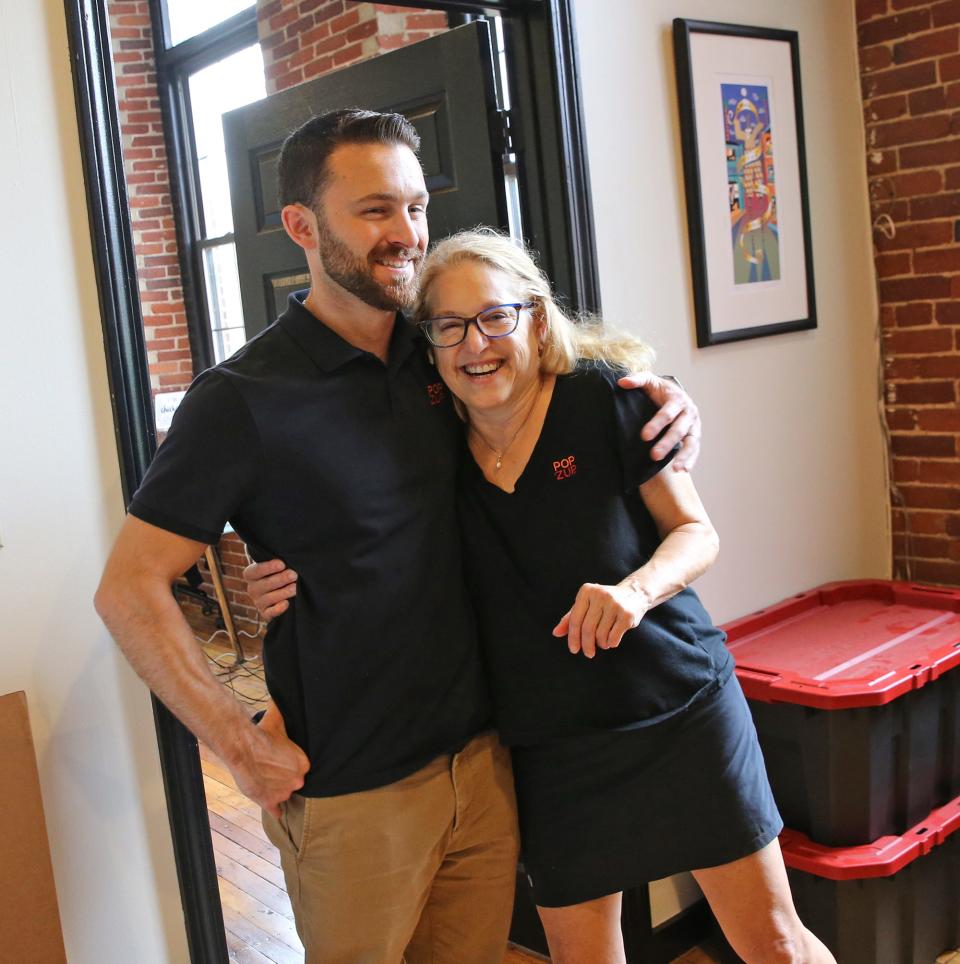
(677, 410)
(135, 601)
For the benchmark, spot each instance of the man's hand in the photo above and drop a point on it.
(270, 585)
(271, 766)
(600, 616)
(676, 410)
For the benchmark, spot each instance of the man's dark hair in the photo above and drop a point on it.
(303, 171)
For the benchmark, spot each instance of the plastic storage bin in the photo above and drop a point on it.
(856, 700)
(895, 901)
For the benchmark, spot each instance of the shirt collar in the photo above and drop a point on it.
(328, 350)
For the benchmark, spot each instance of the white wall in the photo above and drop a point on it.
(792, 466)
(60, 504)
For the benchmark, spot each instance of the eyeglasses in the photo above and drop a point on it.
(495, 322)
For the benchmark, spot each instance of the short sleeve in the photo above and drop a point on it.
(207, 465)
(632, 409)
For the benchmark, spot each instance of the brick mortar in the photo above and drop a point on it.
(301, 28)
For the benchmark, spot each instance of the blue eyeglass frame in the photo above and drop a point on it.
(518, 305)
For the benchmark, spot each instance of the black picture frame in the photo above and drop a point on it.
(742, 288)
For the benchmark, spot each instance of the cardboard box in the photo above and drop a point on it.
(30, 930)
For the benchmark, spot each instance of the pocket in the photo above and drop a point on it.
(285, 831)
(297, 812)
(275, 831)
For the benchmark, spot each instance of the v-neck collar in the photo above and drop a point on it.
(534, 452)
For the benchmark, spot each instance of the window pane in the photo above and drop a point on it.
(187, 18)
(233, 82)
(223, 299)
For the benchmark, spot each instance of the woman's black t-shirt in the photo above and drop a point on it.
(575, 517)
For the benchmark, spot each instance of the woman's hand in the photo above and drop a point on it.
(270, 584)
(601, 615)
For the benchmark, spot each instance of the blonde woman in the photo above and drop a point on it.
(634, 753)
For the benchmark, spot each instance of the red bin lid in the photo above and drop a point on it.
(882, 858)
(847, 644)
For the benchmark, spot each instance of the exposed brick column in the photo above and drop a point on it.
(302, 39)
(910, 71)
(148, 186)
(155, 242)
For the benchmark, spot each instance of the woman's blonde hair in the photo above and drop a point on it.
(565, 341)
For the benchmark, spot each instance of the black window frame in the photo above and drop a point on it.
(548, 132)
(175, 64)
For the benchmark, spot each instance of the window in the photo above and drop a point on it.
(233, 82)
(212, 65)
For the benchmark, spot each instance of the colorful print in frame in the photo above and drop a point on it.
(751, 182)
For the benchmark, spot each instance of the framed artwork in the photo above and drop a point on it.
(741, 126)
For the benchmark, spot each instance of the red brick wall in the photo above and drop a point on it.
(910, 72)
(154, 236)
(302, 39)
(148, 187)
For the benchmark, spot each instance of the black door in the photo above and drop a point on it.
(444, 86)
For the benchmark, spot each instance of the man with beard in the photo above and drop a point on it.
(328, 441)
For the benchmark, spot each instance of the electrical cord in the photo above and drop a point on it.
(904, 567)
(229, 672)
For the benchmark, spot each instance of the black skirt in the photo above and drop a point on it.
(609, 811)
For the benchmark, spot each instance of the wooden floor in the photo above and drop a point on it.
(256, 910)
(695, 956)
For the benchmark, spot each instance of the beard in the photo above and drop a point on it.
(355, 274)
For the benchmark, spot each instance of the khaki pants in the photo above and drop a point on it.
(420, 871)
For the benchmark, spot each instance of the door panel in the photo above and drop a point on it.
(443, 85)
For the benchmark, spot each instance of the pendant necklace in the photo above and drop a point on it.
(506, 448)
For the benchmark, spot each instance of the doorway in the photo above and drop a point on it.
(542, 141)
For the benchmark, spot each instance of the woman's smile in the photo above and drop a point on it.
(482, 368)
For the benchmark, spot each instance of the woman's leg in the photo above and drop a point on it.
(751, 900)
(587, 933)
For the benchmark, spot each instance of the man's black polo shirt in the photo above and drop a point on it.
(317, 452)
